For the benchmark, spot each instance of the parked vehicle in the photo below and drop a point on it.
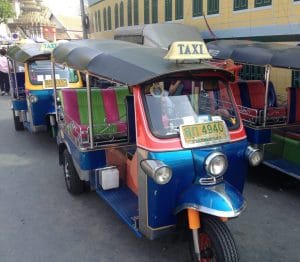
(31, 86)
(272, 121)
(163, 145)
(158, 35)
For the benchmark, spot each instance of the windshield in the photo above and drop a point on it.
(41, 71)
(170, 104)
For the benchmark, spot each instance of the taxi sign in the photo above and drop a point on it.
(188, 51)
(48, 46)
(204, 134)
(59, 83)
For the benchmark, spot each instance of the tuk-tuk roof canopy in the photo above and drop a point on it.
(158, 35)
(256, 53)
(25, 52)
(123, 62)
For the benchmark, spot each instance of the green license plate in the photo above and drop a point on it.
(204, 134)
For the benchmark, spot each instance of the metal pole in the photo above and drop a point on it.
(267, 77)
(54, 90)
(90, 110)
(83, 22)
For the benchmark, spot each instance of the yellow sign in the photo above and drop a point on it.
(48, 46)
(59, 83)
(188, 51)
(204, 134)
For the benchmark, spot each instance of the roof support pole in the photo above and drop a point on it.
(90, 110)
(267, 77)
(54, 90)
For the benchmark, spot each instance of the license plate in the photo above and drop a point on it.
(59, 83)
(204, 134)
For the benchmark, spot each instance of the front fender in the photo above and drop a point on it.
(222, 200)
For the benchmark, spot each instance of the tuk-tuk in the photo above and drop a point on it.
(31, 86)
(271, 117)
(163, 145)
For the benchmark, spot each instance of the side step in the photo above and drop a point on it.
(125, 204)
(284, 166)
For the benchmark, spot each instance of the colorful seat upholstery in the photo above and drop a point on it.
(293, 105)
(250, 96)
(108, 105)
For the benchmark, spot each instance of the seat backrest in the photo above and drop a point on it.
(236, 92)
(293, 100)
(70, 104)
(256, 90)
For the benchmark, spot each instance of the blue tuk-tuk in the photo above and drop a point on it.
(272, 120)
(163, 145)
(31, 86)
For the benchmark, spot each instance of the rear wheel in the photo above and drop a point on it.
(73, 183)
(18, 124)
(216, 243)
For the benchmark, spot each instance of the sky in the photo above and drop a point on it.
(63, 7)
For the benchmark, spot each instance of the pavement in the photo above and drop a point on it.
(41, 221)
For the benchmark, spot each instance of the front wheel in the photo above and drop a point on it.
(18, 124)
(73, 183)
(216, 243)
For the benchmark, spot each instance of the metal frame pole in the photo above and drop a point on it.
(90, 110)
(267, 77)
(83, 20)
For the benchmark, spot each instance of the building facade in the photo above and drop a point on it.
(262, 20)
(267, 20)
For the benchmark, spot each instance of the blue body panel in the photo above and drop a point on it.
(43, 107)
(221, 200)
(19, 105)
(187, 168)
(87, 160)
(258, 136)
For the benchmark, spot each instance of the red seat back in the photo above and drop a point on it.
(257, 90)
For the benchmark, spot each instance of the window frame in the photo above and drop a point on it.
(129, 13)
(240, 5)
(213, 7)
(154, 11)
(262, 3)
(168, 10)
(197, 8)
(179, 9)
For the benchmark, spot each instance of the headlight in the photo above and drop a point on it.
(216, 164)
(33, 99)
(254, 155)
(157, 170)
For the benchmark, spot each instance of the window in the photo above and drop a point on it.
(129, 13)
(240, 5)
(250, 72)
(296, 78)
(179, 9)
(197, 8)
(168, 10)
(109, 18)
(154, 12)
(96, 22)
(116, 16)
(104, 19)
(136, 12)
(121, 14)
(260, 3)
(212, 7)
(99, 20)
(146, 12)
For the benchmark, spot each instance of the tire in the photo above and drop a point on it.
(18, 124)
(215, 241)
(73, 183)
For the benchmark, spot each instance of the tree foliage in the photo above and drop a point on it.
(6, 11)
